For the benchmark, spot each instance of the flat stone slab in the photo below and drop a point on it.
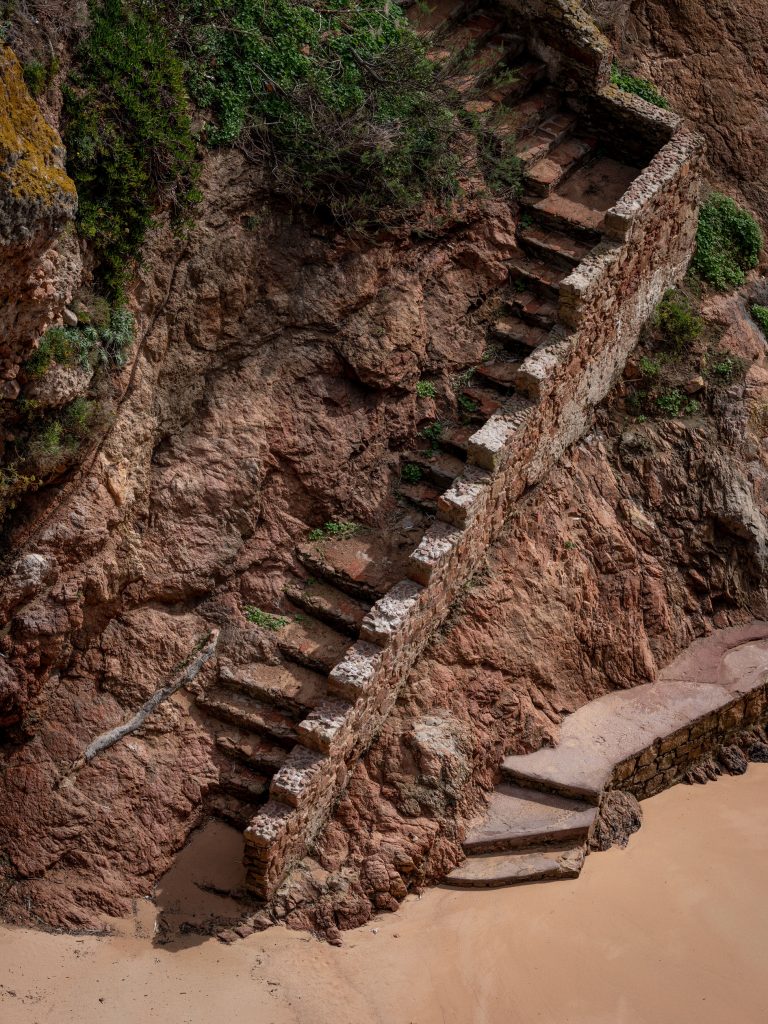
(710, 674)
(498, 869)
(519, 817)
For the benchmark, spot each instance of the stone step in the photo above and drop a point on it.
(435, 15)
(285, 685)
(536, 310)
(545, 175)
(494, 870)
(513, 331)
(473, 31)
(477, 403)
(456, 438)
(519, 773)
(309, 642)
(526, 115)
(246, 713)
(526, 75)
(539, 143)
(480, 67)
(439, 468)
(562, 214)
(258, 752)
(422, 494)
(555, 246)
(499, 373)
(527, 273)
(369, 563)
(236, 812)
(239, 781)
(518, 817)
(329, 604)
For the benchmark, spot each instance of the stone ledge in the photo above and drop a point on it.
(466, 498)
(492, 443)
(293, 783)
(390, 614)
(352, 676)
(434, 551)
(323, 727)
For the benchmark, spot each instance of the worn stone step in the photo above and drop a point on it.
(524, 117)
(477, 403)
(422, 494)
(556, 246)
(238, 780)
(494, 870)
(259, 752)
(537, 275)
(456, 438)
(540, 142)
(236, 812)
(329, 604)
(527, 74)
(519, 817)
(473, 31)
(499, 373)
(309, 642)
(435, 15)
(246, 713)
(513, 331)
(543, 176)
(439, 468)
(537, 310)
(286, 685)
(480, 67)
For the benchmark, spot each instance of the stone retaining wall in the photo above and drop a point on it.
(604, 302)
(667, 760)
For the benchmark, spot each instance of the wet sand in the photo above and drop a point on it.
(672, 930)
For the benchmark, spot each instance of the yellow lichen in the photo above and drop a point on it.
(30, 150)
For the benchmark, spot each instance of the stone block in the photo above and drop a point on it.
(466, 498)
(324, 725)
(434, 551)
(353, 675)
(297, 779)
(488, 447)
(390, 614)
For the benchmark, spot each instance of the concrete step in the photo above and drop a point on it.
(246, 713)
(536, 275)
(240, 781)
(258, 752)
(540, 142)
(518, 817)
(329, 604)
(499, 373)
(556, 246)
(517, 333)
(543, 176)
(438, 468)
(423, 494)
(536, 310)
(286, 685)
(494, 870)
(236, 812)
(310, 642)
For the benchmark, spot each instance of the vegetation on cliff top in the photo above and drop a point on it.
(638, 87)
(728, 243)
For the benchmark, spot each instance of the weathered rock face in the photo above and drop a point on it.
(37, 200)
(710, 62)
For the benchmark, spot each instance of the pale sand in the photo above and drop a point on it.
(673, 929)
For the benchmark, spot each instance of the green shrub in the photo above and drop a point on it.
(265, 619)
(411, 473)
(39, 76)
(728, 243)
(725, 367)
(673, 402)
(760, 316)
(425, 389)
(339, 97)
(433, 432)
(638, 87)
(677, 320)
(66, 346)
(650, 368)
(337, 529)
(128, 132)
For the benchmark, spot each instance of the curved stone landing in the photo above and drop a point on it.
(640, 740)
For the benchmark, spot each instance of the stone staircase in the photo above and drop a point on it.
(643, 740)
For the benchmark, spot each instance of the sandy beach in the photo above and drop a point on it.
(669, 931)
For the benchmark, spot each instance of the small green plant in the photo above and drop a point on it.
(673, 402)
(336, 530)
(411, 473)
(677, 320)
(650, 368)
(725, 367)
(638, 87)
(265, 619)
(467, 404)
(39, 75)
(433, 432)
(425, 389)
(728, 243)
(67, 346)
(760, 316)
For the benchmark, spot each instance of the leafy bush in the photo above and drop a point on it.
(425, 389)
(728, 243)
(265, 619)
(337, 529)
(673, 402)
(677, 321)
(760, 316)
(39, 75)
(128, 132)
(69, 346)
(341, 97)
(638, 87)
(411, 473)
(650, 368)
(725, 367)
